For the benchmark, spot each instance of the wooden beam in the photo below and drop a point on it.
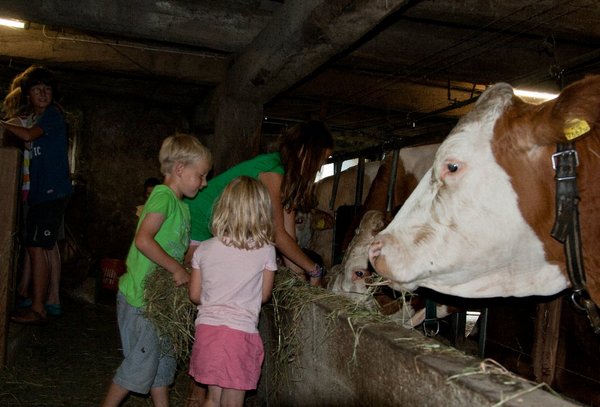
(10, 163)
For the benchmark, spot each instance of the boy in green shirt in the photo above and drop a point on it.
(161, 238)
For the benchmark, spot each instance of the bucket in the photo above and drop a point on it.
(112, 269)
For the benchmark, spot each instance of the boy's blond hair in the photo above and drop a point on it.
(243, 215)
(182, 148)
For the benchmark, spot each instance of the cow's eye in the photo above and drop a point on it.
(359, 273)
(452, 167)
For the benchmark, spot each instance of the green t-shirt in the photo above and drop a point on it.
(202, 204)
(173, 236)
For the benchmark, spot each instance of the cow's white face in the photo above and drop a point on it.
(355, 271)
(461, 231)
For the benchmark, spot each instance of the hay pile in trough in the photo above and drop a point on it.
(171, 311)
(291, 296)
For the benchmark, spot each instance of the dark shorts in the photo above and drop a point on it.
(149, 360)
(43, 223)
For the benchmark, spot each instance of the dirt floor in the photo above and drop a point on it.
(70, 361)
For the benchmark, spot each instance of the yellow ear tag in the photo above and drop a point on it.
(575, 128)
(321, 224)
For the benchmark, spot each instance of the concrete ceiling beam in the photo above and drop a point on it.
(302, 36)
(176, 21)
(94, 54)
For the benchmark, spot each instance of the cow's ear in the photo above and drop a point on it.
(321, 220)
(575, 113)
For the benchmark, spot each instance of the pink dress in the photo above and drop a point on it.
(228, 351)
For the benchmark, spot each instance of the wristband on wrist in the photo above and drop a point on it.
(316, 272)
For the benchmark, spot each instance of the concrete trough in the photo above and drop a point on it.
(391, 366)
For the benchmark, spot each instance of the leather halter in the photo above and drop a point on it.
(566, 228)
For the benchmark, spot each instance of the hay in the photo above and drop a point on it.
(171, 311)
(169, 308)
(491, 367)
(291, 295)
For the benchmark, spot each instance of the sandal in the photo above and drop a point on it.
(54, 310)
(29, 317)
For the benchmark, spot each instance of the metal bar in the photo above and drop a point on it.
(392, 184)
(360, 180)
(337, 170)
(483, 318)
(458, 323)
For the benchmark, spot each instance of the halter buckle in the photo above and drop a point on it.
(562, 154)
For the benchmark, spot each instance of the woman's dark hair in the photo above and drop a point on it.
(302, 153)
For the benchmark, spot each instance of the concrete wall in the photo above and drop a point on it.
(119, 141)
(393, 366)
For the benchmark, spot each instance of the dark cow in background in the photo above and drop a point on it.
(479, 224)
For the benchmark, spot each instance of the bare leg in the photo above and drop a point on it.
(55, 271)
(232, 398)
(25, 281)
(116, 394)
(213, 397)
(40, 277)
(160, 396)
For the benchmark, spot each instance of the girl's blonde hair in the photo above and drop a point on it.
(182, 148)
(243, 215)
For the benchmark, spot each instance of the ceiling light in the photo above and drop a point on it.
(12, 23)
(535, 95)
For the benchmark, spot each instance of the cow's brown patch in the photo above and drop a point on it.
(525, 138)
(377, 197)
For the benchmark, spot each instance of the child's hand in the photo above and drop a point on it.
(181, 277)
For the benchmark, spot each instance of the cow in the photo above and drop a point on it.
(314, 230)
(412, 164)
(478, 224)
(350, 277)
(309, 223)
(353, 278)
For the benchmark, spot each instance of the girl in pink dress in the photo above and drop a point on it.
(232, 276)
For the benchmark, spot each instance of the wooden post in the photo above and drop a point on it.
(237, 132)
(10, 164)
(547, 330)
